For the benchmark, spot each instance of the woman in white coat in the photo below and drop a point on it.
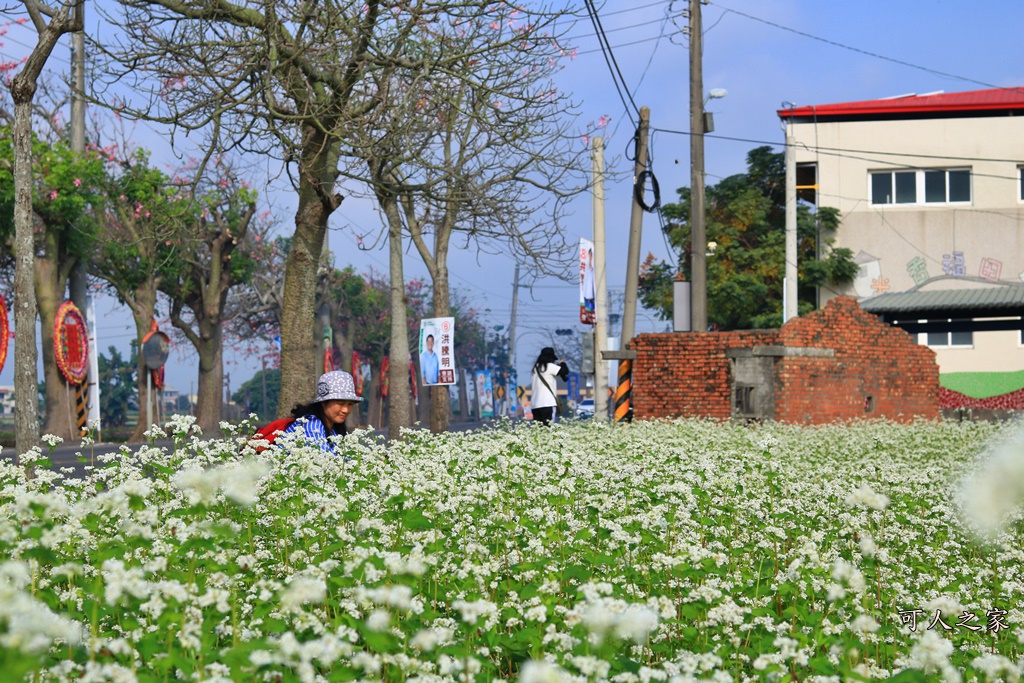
(546, 372)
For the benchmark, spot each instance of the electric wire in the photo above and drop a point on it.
(858, 50)
(612, 63)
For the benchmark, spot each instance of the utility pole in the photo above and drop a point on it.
(600, 287)
(512, 325)
(625, 355)
(789, 287)
(635, 228)
(698, 229)
(78, 281)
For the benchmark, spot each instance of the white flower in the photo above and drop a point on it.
(990, 495)
(472, 611)
(866, 496)
(636, 623)
(303, 590)
(427, 639)
(864, 623)
(931, 655)
(52, 440)
(535, 671)
(996, 667)
(378, 620)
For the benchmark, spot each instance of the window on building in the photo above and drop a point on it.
(924, 186)
(949, 338)
(1020, 172)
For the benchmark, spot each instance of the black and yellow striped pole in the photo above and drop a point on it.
(82, 407)
(623, 393)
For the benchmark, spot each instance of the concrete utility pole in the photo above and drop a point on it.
(635, 228)
(698, 229)
(789, 302)
(600, 287)
(512, 325)
(78, 281)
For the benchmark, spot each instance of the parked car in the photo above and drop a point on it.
(585, 408)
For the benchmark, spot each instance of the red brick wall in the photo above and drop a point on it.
(687, 374)
(684, 374)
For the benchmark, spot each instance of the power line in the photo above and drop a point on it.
(613, 65)
(868, 53)
(857, 154)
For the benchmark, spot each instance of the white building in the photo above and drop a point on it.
(931, 194)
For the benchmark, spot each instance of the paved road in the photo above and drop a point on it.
(71, 454)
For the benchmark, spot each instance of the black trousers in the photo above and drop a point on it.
(543, 415)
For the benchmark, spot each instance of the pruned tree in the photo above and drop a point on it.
(495, 152)
(211, 260)
(145, 216)
(50, 22)
(282, 78)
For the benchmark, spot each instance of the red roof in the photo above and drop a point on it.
(996, 99)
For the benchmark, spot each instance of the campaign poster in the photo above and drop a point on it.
(588, 286)
(511, 391)
(485, 393)
(470, 378)
(437, 351)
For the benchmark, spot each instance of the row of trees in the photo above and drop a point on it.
(444, 113)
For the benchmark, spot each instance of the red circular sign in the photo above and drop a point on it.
(71, 343)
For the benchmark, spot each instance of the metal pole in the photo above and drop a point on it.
(789, 304)
(698, 229)
(149, 398)
(600, 287)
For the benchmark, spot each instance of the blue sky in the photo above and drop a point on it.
(763, 52)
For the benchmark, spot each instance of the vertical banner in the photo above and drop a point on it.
(511, 390)
(470, 377)
(588, 288)
(357, 373)
(485, 393)
(437, 351)
(573, 386)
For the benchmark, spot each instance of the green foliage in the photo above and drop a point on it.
(745, 216)
(145, 215)
(65, 192)
(117, 384)
(250, 395)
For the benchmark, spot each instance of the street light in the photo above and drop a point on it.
(708, 117)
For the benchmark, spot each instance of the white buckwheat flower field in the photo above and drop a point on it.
(662, 551)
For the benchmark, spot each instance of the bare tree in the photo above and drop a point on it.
(141, 231)
(495, 156)
(283, 78)
(63, 19)
(211, 262)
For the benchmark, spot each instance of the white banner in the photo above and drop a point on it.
(437, 351)
(588, 287)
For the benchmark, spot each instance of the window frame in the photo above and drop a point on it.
(921, 185)
(925, 339)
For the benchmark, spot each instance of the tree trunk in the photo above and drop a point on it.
(50, 287)
(399, 395)
(23, 90)
(440, 404)
(26, 355)
(210, 397)
(143, 305)
(317, 173)
(344, 351)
